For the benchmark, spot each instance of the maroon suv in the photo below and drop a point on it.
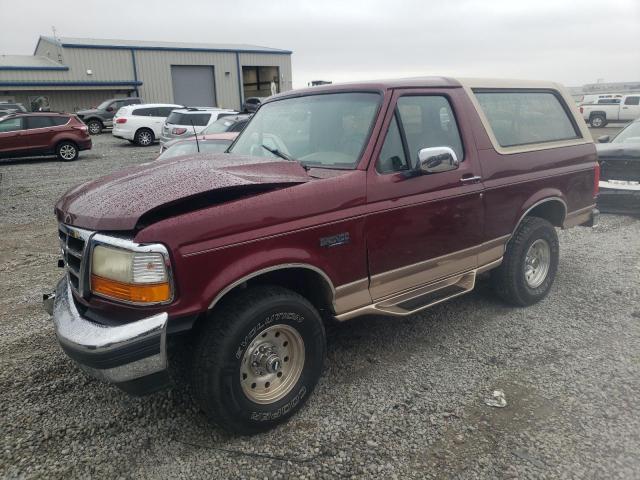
(336, 201)
(37, 134)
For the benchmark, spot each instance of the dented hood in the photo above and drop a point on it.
(119, 200)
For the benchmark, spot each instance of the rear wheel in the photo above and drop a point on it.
(530, 263)
(258, 359)
(67, 151)
(144, 137)
(598, 121)
(94, 127)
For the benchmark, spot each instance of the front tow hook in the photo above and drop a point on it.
(47, 302)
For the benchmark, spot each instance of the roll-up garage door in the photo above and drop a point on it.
(193, 85)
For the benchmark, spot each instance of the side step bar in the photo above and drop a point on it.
(412, 301)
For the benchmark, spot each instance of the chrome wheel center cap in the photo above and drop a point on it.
(265, 360)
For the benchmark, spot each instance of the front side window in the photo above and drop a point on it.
(428, 121)
(326, 130)
(632, 101)
(11, 125)
(392, 156)
(526, 117)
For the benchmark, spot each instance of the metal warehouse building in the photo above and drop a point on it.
(68, 74)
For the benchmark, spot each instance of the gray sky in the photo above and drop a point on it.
(573, 42)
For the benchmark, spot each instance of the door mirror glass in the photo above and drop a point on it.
(603, 139)
(437, 160)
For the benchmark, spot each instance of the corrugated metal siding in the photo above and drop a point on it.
(154, 69)
(66, 101)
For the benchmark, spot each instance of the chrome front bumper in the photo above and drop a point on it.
(132, 356)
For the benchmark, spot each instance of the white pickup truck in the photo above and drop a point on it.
(611, 110)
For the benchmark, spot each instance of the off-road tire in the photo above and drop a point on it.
(509, 280)
(221, 345)
(67, 151)
(144, 137)
(598, 121)
(95, 127)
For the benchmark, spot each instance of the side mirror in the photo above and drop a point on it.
(604, 139)
(109, 109)
(437, 160)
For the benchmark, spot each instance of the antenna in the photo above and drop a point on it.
(194, 132)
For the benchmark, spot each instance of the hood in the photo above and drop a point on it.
(618, 150)
(86, 112)
(161, 188)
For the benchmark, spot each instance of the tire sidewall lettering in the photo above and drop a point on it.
(278, 317)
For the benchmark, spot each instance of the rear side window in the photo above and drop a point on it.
(632, 101)
(143, 112)
(526, 117)
(38, 122)
(164, 111)
(57, 121)
(198, 119)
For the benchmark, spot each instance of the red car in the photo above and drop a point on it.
(40, 134)
(335, 201)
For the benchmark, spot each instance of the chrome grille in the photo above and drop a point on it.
(73, 242)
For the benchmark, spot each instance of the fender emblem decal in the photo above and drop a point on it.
(335, 240)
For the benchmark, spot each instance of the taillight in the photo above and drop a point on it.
(121, 120)
(178, 131)
(581, 110)
(596, 180)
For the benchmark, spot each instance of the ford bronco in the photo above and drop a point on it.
(334, 202)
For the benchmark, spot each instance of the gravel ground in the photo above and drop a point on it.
(399, 398)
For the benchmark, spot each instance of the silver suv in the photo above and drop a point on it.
(186, 122)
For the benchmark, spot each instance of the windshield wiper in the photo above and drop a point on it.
(278, 153)
(283, 155)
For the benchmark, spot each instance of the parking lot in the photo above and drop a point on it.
(399, 398)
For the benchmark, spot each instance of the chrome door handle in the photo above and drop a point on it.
(473, 179)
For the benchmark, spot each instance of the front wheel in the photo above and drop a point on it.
(530, 263)
(258, 359)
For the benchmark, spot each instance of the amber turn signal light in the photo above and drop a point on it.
(138, 293)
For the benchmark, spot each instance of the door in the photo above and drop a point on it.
(630, 108)
(193, 85)
(422, 227)
(12, 140)
(38, 132)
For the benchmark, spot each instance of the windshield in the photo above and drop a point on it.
(631, 134)
(187, 148)
(326, 130)
(219, 126)
(104, 105)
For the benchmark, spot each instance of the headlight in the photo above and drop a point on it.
(136, 277)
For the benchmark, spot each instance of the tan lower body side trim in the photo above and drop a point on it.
(394, 281)
(352, 295)
(578, 217)
(360, 294)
